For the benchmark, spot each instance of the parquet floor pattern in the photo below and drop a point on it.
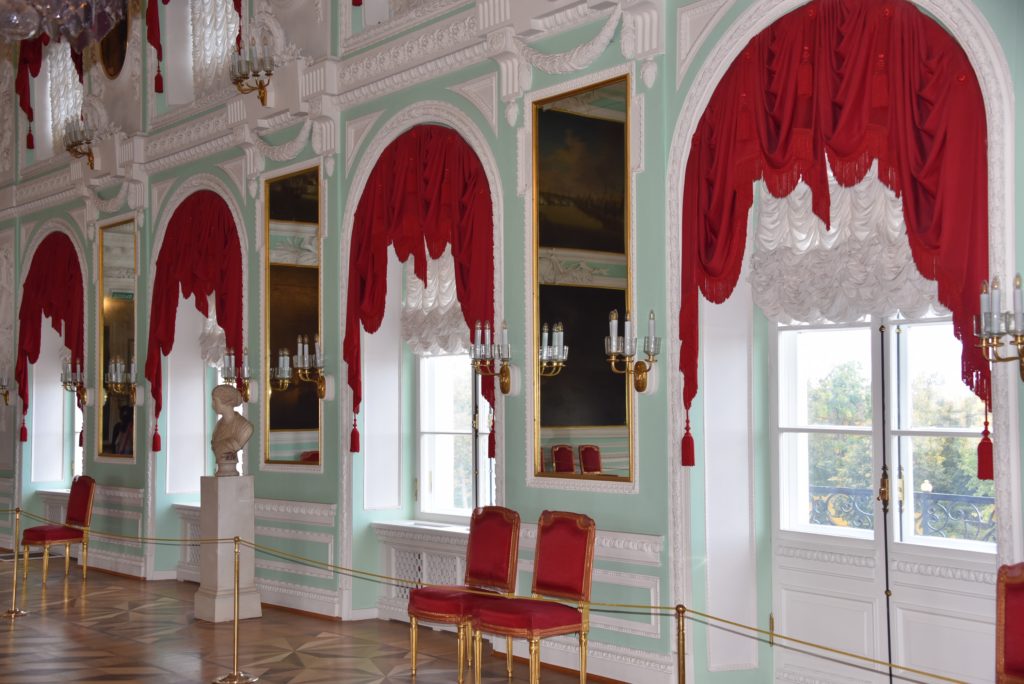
(115, 629)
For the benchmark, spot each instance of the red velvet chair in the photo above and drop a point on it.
(492, 553)
(561, 455)
(562, 568)
(79, 514)
(1010, 625)
(590, 458)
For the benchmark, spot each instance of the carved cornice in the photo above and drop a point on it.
(947, 572)
(821, 556)
(577, 59)
(296, 511)
(285, 151)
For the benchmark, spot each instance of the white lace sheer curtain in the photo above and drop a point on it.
(214, 27)
(432, 321)
(802, 273)
(65, 94)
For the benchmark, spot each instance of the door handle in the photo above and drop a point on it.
(883, 490)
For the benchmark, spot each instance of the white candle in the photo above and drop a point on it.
(544, 339)
(245, 361)
(504, 333)
(613, 329)
(650, 325)
(487, 335)
(996, 295)
(986, 307)
(477, 334)
(1018, 305)
(628, 329)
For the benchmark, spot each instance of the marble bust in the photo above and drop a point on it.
(231, 432)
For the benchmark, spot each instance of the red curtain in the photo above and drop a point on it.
(52, 288)
(30, 60)
(153, 38)
(200, 256)
(843, 83)
(427, 190)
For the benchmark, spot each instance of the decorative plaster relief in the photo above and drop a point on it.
(7, 299)
(404, 19)
(483, 93)
(580, 57)
(355, 132)
(831, 557)
(622, 547)
(946, 572)
(641, 31)
(693, 25)
(7, 145)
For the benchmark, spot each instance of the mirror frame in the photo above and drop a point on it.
(581, 346)
(269, 352)
(122, 36)
(103, 359)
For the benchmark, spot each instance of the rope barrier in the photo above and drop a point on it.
(680, 612)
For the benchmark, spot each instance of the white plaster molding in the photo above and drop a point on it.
(7, 142)
(236, 171)
(948, 572)
(802, 675)
(577, 59)
(617, 662)
(292, 567)
(324, 139)
(694, 24)
(45, 191)
(6, 486)
(482, 92)
(620, 547)
(570, 16)
(303, 512)
(524, 176)
(822, 556)
(285, 151)
(121, 563)
(420, 535)
(110, 495)
(425, 13)
(7, 311)
(355, 132)
(298, 597)
(642, 32)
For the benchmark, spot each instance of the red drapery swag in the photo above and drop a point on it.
(52, 288)
(30, 60)
(200, 256)
(843, 83)
(427, 190)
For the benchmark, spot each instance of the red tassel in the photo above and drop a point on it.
(688, 457)
(24, 431)
(353, 444)
(357, 3)
(81, 438)
(156, 439)
(491, 444)
(158, 82)
(985, 466)
(30, 141)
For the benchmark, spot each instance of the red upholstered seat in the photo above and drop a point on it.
(590, 458)
(561, 454)
(491, 556)
(75, 528)
(1010, 625)
(562, 566)
(50, 533)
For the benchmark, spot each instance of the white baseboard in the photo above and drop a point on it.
(364, 614)
(117, 562)
(164, 575)
(295, 596)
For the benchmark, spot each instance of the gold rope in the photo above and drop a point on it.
(690, 613)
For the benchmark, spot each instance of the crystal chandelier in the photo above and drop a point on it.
(79, 22)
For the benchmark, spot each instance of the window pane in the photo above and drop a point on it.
(949, 501)
(446, 478)
(825, 377)
(446, 401)
(936, 396)
(828, 483)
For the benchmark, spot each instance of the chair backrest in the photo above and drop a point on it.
(80, 501)
(1010, 624)
(493, 548)
(590, 458)
(561, 454)
(564, 558)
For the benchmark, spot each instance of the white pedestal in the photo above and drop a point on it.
(227, 510)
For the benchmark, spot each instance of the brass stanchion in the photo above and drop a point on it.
(771, 629)
(236, 677)
(681, 642)
(14, 611)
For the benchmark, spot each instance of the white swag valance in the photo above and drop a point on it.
(432, 321)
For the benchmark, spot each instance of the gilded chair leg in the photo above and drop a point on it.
(534, 661)
(85, 554)
(24, 564)
(46, 560)
(412, 645)
(469, 643)
(508, 656)
(67, 558)
(583, 657)
(460, 631)
(478, 652)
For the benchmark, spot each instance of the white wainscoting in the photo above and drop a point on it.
(290, 594)
(436, 553)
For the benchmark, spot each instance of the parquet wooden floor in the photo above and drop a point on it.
(114, 629)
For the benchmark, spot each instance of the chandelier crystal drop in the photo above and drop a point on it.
(79, 22)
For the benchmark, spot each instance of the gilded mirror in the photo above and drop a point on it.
(114, 48)
(117, 340)
(293, 417)
(581, 273)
